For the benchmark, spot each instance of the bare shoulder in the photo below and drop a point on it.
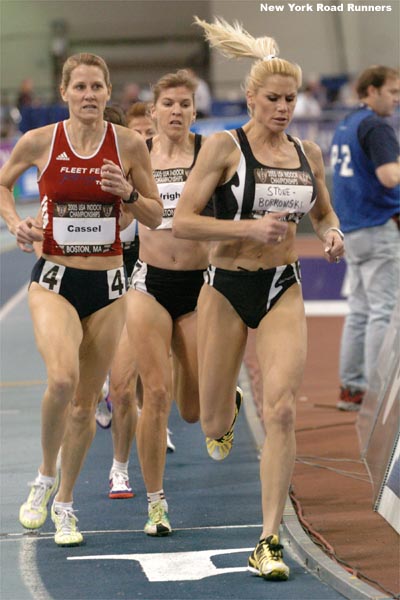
(202, 136)
(128, 139)
(34, 144)
(220, 146)
(314, 156)
(38, 138)
(312, 150)
(225, 139)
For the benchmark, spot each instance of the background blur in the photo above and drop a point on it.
(144, 39)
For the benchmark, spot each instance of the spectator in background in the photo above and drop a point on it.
(307, 104)
(25, 96)
(347, 96)
(366, 177)
(9, 118)
(202, 97)
(130, 95)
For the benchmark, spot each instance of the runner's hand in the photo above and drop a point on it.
(27, 231)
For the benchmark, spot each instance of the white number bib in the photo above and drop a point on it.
(282, 191)
(84, 231)
(88, 227)
(169, 195)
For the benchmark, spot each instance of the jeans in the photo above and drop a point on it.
(373, 262)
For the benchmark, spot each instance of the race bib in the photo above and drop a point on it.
(51, 276)
(282, 191)
(170, 184)
(84, 225)
(117, 284)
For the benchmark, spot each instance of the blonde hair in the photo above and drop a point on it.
(235, 42)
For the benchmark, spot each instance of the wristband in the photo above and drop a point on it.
(339, 231)
(132, 198)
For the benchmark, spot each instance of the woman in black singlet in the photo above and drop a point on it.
(78, 285)
(263, 183)
(161, 314)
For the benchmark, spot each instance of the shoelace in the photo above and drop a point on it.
(273, 551)
(227, 438)
(39, 491)
(67, 519)
(119, 478)
(156, 513)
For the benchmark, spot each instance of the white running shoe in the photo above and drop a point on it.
(119, 486)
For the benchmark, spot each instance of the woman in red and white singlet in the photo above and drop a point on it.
(77, 289)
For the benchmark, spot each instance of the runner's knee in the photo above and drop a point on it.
(62, 386)
(157, 397)
(281, 413)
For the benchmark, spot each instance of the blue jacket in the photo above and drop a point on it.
(360, 200)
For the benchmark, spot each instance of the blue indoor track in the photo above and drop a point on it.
(214, 507)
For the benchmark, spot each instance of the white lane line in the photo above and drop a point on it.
(13, 301)
(29, 571)
(15, 537)
(326, 308)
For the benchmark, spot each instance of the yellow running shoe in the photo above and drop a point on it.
(158, 522)
(220, 448)
(33, 513)
(67, 532)
(267, 560)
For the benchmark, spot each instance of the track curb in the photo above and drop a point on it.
(301, 546)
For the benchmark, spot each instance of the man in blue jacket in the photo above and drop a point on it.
(366, 193)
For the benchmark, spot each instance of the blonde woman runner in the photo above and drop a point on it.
(264, 182)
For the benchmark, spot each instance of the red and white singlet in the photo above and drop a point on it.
(79, 219)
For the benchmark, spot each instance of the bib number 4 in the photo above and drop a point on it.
(51, 276)
(116, 283)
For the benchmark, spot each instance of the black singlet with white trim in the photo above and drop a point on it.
(170, 184)
(256, 189)
(197, 146)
